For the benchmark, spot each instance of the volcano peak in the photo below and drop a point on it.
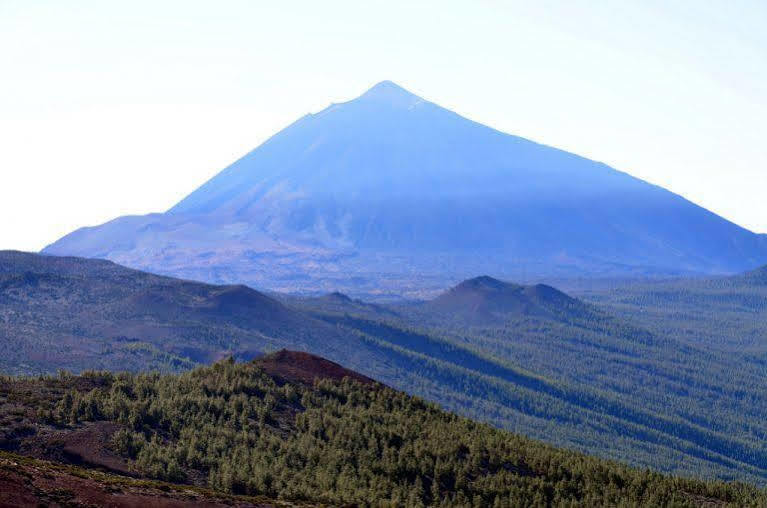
(391, 93)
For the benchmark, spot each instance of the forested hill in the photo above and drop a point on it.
(677, 387)
(243, 429)
(553, 368)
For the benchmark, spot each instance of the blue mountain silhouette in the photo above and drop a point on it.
(390, 184)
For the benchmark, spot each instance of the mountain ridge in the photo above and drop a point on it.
(82, 313)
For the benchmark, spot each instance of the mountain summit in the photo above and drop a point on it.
(389, 191)
(390, 93)
(485, 299)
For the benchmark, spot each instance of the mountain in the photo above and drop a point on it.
(485, 299)
(650, 365)
(390, 193)
(220, 434)
(72, 313)
(593, 377)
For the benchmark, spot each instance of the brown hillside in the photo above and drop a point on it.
(485, 298)
(26, 482)
(297, 366)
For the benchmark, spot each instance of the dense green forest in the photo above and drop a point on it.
(239, 429)
(620, 381)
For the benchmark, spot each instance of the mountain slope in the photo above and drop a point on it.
(30, 483)
(482, 300)
(564, 372)
(592, 373)
(388, 189)
(60, 312)
(726, 315)
(239, 429)
(758, 276)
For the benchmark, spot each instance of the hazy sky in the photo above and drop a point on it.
(113, 108)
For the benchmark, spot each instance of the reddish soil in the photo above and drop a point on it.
(86, 446)
(28, 482)
(296, 366)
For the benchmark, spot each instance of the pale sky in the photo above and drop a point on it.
(110, 108)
